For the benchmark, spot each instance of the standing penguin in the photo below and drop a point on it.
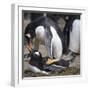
(72, 35)
(74, 44)
(45, 31)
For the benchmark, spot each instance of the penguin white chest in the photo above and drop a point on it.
(56, 44)
(40, 33)
(75, 36)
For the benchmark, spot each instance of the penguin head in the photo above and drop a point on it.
(36, 59)
(29, 36)
(29, 32)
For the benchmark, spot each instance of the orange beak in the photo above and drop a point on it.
(29, 46)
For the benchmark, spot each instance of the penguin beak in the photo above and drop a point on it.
(29, 46)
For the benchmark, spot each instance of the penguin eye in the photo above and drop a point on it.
(37, 53)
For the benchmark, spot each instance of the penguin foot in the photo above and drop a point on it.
(50, 61)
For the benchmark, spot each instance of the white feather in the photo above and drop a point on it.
(75, 36)
(37, 53)
(28, 35)
(40, 33)
(56, 44)
(36, 70)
